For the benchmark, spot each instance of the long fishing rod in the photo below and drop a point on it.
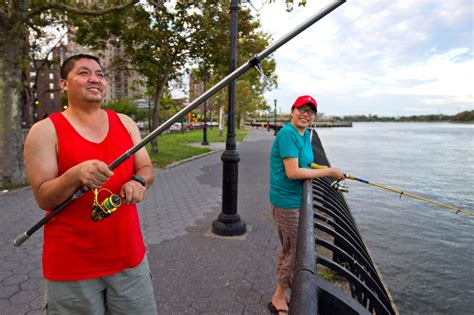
(458, 210)
(254, 62)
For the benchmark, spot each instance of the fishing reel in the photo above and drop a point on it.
(340, 187)
(101, 210)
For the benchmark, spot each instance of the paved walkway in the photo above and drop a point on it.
(194, 271)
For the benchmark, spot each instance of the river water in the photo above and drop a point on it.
(424, 252)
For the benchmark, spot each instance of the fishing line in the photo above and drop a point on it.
(401, 193)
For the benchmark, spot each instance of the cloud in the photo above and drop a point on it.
(421, 51)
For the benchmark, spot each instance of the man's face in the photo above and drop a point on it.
(85, 82)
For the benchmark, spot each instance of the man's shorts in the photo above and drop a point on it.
(127, 292)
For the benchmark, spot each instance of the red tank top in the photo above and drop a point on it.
(75, 247)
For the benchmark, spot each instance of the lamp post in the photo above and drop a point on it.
(268, 120)
(228, 222)
(204, 130)
(275, 102)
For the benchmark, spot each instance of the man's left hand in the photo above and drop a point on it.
(133, 192)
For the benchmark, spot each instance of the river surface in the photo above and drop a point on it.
(424, 252)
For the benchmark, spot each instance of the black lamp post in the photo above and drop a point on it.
(275, 102)
(204, 130)
(268, 120)
(228, 223)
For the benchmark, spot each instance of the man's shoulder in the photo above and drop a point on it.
(42, 130)
(127, 121)
(44, 125)
(123, 117)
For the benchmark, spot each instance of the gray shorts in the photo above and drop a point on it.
(127, 292)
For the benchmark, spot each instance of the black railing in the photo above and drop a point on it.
(334, 272)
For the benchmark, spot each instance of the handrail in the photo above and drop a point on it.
(326, 226)
(303, 293)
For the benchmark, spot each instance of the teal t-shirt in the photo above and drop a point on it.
(284, 192)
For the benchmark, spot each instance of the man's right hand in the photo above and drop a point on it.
(94, 173)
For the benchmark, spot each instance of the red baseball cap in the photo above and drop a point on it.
(303, 100)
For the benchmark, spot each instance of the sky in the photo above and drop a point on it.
(375, 57)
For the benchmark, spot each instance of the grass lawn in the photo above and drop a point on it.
(173, 147)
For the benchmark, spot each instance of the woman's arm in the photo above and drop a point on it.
(293, 171)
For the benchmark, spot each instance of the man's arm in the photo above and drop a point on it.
(40, 153)
(134, 191)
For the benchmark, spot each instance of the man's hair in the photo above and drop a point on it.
(68, 64)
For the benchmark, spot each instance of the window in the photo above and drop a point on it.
(51, 76)
(51, 96)
(51, 86)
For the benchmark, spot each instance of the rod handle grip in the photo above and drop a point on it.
(317, 166)
(21, 239)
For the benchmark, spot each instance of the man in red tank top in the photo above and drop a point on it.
(90, 267)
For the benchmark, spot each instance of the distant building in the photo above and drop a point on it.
(196, 88)
(121, 81)
(44, 83)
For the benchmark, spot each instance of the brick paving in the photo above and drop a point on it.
(194, 271)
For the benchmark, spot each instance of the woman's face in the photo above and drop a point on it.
(302, 117)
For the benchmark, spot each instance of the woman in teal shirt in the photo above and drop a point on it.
(289, 165)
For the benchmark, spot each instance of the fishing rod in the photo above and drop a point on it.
(254, 62)
(344, 188)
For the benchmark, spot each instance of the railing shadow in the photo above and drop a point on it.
(334, 272)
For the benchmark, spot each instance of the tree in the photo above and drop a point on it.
(290, 4)
(156, 39)
(128, 107)
(17, 19)
(162, 41)
(214, 56)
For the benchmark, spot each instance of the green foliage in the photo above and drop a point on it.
(162, 42)
(128, 107)
(176, 146)
(290, 4)
(214, 60)
(466, 116)
(326, 273)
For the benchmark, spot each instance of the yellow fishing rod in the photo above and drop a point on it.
(458, 210)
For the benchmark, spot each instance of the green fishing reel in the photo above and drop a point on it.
(104, 209)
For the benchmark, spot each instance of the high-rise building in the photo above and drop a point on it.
(44, 83)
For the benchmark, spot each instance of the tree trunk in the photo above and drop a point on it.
(11, 100)
(221, 121)
(155, 118)
(241, 121)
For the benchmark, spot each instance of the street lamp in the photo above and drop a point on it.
(268, 120)
(228, 222)
(275, 102)
(204, 131)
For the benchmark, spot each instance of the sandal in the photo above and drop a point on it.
(274, 310)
